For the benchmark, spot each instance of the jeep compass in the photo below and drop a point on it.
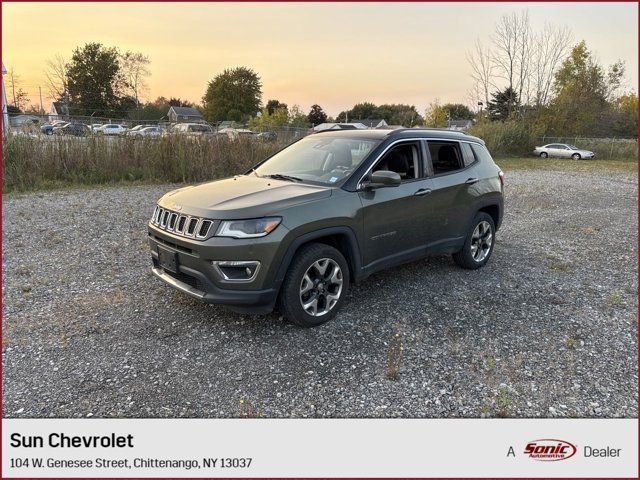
(332, 208)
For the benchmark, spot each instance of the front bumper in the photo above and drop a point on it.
(196, 276)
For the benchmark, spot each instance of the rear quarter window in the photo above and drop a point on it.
(467, 154)
(481, 153)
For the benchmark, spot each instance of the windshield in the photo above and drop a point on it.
(317, 158)
(572, 147)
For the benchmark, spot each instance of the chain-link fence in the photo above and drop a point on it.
(37, 125)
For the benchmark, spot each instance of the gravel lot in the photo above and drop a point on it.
(547, 328)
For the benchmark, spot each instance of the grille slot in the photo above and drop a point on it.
(204, 228)
(192, 226)
(185, 225)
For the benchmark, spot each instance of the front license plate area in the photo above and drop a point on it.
(168, 259)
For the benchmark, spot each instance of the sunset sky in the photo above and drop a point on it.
(331, 54)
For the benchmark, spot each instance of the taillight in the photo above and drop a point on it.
(501, 176)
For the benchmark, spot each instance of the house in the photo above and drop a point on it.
(184, 114)
(338, 126)
(58, 111)
(459, 125)
(373, 122)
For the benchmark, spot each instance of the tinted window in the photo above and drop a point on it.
(445, 157)
(467, 154)
(402, 159)
(481, 153)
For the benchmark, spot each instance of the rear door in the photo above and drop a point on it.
(455, 180)
(395, 218)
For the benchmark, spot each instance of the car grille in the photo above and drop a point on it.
(183, 225)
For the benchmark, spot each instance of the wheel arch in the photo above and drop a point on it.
(342, 238)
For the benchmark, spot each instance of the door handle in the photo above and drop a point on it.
(471, 181)
(422, 191)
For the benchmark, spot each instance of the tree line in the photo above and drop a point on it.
(540, 79)
(536, 77)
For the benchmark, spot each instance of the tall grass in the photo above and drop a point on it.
(519, 138)
(34, 163)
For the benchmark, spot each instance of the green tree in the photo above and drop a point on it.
(362, 111)
(273, 105)
(435, 116)
(93, 80)
(316, 115)
(297, 118)
(503, 103)
(235, 94)
(400, 114)
(458, 111)
(583, 90)
(278, 118)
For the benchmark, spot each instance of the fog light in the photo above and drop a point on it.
(237, 270)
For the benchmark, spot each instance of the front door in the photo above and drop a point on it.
(395, 218)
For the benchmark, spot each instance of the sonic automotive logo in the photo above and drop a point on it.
(550, 449)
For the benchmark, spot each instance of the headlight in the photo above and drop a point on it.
(255, 227)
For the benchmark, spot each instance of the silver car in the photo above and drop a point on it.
(562, 150)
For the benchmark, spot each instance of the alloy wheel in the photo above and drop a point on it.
(481, 241)
(321, 287)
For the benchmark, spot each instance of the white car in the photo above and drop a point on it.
(562, 150)
(149, 132)
(135, 130)
(112, 129)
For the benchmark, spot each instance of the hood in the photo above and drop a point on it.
(244, 196)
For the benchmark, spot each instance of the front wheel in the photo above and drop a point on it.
(315, 285)
(544, 155)
(478, 245)
(576, 156)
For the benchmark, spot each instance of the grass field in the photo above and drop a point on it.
(536, 163)
(31, 164)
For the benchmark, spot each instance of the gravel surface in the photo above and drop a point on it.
(547, 328)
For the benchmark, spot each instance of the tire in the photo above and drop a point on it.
(544, 155)
(469, 257)
(323, 288)
(576, 156)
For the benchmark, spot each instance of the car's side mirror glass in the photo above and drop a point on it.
(383, 178)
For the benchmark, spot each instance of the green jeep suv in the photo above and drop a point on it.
(326, 211)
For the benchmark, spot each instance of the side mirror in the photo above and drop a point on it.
(383, 178)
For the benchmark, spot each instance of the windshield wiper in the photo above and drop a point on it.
(280, 176)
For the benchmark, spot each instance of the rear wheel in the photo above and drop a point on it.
(315, 285)
(576, 156)
(478, 245)
(544, 154)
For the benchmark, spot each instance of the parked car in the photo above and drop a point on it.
(111, 129)
(267, 136)
(75, 129)
(17, 121)
(150, 132)
(48, 128)
(235, 133)
(562, 150)
(134, 131)
(328, 210)
(192, 129)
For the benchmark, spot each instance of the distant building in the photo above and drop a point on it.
(459, 125)
(185, 114)
(58, 111)
(338, 126)
(373, 122)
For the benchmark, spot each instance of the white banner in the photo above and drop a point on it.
(319, 448)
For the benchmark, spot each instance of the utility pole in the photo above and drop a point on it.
(41, 107)
(13, 88)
